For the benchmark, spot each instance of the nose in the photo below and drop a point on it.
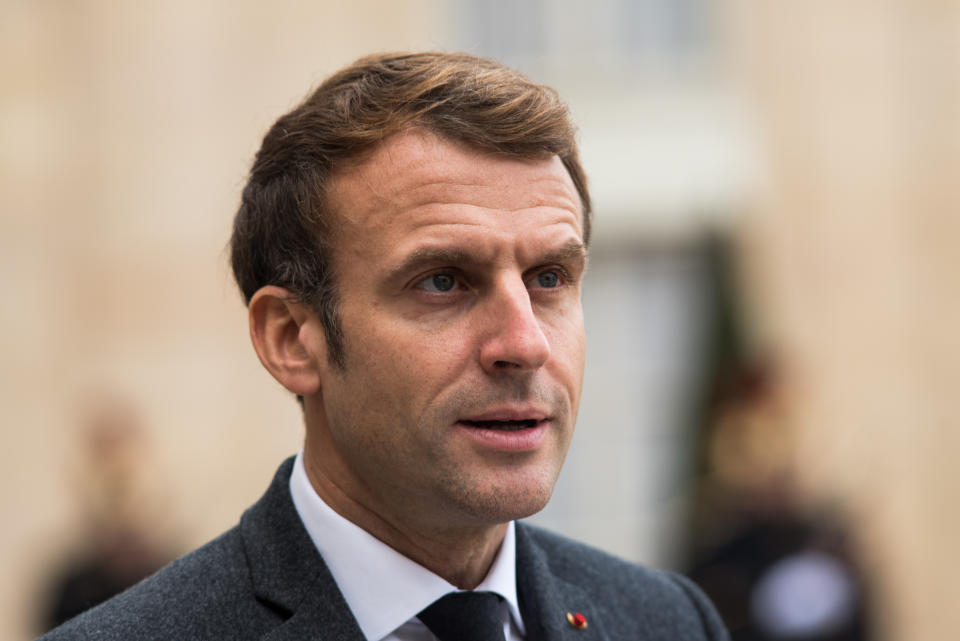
(515, 340)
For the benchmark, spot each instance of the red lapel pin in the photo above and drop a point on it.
(577, 620)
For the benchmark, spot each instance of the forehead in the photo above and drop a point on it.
(419, 171)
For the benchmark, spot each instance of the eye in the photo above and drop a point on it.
(441, 282)
(547, 279)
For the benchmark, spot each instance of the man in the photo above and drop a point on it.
(411, 245)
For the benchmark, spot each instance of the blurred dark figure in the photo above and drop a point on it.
(774, 569)
(121, 548)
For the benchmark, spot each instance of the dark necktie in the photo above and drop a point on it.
(465, 616)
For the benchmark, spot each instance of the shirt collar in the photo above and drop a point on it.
(383, 588)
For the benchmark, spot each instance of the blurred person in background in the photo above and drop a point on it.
(411, 244)
(776, 567)
(122, 541)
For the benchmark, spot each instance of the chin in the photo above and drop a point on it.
(511, 503)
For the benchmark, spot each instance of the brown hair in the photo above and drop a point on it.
(281, 233)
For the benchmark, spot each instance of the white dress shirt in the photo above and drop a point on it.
(384, 589)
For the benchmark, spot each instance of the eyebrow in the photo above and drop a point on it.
(572, 250)
(430, 256)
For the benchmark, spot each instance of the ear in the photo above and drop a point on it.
(288, 339)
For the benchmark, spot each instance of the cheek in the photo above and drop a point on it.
(404, 361)
(417, 345)
(567, 339)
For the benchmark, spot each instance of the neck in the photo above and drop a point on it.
(460, 554)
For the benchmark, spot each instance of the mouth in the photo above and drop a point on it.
(510, 431)
(505, 426)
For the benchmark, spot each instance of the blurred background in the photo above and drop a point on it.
(771, 393)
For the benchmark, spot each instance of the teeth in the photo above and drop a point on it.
(503, 425)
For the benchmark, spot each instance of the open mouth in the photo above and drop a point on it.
(507, 426)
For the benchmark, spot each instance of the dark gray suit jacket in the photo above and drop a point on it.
(264, 579)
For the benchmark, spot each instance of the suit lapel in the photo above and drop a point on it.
(288, 574)
(546, 599)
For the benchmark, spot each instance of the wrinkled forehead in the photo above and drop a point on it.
(418, 167)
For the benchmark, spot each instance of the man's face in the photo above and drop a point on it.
(458, 276)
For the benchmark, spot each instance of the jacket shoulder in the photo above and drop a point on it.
(594, 568)
(203, 595)
(661, 603)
